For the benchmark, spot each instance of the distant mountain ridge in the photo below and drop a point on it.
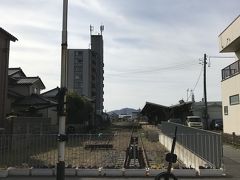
(127, 111)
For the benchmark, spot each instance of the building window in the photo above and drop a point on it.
(35, 91)
(234, 99)
(77, 53)
(77, 77)
(78, 60)
(77, 69)
(78, 85)
(225, 108)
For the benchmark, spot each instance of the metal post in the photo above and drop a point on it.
(62, 97)
(205, 91)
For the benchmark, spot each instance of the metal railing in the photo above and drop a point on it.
(205, 144)
(82, 150)
(231, 70)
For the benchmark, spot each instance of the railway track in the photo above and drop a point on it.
(136, 156)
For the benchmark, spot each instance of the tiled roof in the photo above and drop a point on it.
(13, 93)
(51, 93)
(17, 75)
(12, 71)
(11, 37)
(27, 80)
(34, 99)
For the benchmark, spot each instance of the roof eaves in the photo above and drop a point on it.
(11, 37)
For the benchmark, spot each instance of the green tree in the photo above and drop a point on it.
(79, 109)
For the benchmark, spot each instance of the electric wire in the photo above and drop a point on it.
(199, 76)
(152, 70)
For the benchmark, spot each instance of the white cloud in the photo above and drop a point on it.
(151, 48)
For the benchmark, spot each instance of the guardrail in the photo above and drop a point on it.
(205, 144)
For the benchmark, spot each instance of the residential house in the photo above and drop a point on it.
(51, 95)
(21, 86)
(28, 111)
(5, 39)
(229, 41)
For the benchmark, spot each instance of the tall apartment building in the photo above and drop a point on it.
(85, 72)
(5, 39)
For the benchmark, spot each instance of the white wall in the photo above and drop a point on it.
(231, 122)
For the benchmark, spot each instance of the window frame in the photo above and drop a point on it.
(225, 110)
(233, 102)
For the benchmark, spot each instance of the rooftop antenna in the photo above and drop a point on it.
(101, 28)
(91, 32)
(91, 29)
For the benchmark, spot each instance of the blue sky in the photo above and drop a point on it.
(151, 47)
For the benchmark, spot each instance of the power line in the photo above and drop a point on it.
(153, 70)
(200, 74)
(198, 79)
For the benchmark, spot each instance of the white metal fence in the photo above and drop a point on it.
(205, 144)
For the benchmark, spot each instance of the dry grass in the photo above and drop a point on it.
(77, 156)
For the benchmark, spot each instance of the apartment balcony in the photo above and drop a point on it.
(229, 39)
(231, 70)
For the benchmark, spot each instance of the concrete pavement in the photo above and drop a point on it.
(231, 160)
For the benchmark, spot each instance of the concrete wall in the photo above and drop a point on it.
(183, 154)
(52, 114)
(214, 111)
(231, 120)
(30, 125)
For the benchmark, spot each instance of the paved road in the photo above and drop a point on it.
(231, 159)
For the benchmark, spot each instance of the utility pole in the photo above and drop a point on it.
(62, 98)
(205, 91)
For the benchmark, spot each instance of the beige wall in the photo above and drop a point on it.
(229, 35)
(231, 122)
